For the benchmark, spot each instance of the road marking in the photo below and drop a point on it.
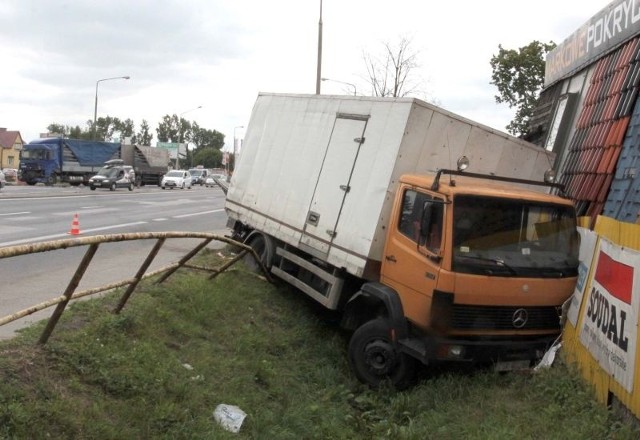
(16, 213)
(198, 213)
(51, 237)
(159, 219)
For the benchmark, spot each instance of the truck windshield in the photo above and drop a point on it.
(503, 237)
(35, 154)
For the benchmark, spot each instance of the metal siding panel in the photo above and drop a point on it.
(623, 202)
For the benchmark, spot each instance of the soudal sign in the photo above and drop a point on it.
(610, 27)
(610, 318)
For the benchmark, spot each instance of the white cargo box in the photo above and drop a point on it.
(319, 172)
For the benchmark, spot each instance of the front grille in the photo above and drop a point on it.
(467, 317)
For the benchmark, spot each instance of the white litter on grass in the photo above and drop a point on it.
(187, 366)
(230, 417)
(549, 357)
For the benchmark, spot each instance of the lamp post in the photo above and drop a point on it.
(196, 108)
(95, 108)
(319, 66)
(355, 91)
(187, 144)
(234, 146)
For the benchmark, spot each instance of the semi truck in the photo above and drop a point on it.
(54, 160)
(361, 204)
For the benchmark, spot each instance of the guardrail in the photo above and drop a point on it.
(93, 243)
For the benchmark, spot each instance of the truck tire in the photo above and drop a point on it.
(130, 186)
(263, 246)
(92, 188)
(374, 358)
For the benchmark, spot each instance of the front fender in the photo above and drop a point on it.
(373, 300)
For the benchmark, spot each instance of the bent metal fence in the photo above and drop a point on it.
(94, 242)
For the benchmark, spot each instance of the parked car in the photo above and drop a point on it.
(113, 175)
(210, 182)
(10, 174)
(198, 176)
(3, 181)
(176, 179)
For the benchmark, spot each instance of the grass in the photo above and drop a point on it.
(159, 368)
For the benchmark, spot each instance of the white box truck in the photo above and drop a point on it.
(354, 201)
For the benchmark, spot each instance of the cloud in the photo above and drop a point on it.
(219, 54)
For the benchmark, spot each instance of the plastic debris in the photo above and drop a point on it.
(230, 417)
(187, 366)
(549, 357)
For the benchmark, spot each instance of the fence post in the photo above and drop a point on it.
(73, 284)
(140, 274)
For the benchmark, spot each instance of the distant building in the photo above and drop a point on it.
(10, 145)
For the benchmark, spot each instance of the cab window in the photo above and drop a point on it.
(421, 219)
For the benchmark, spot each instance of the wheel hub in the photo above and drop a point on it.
(379, 357)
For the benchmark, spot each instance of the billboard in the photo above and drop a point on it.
(606, 30)
(174, 148)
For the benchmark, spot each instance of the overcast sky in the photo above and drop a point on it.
(219, 54)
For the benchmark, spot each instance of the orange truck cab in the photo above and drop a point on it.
(479, 271)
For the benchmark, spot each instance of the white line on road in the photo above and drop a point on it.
(198, 213)
(16, 213)
(51, 237)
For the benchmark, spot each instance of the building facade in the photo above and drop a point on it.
(589, 113)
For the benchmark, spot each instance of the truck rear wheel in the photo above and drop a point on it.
(52, 180)
(374, 358)
(264, 247)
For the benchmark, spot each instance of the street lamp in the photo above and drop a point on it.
(186, 144)
(234, 146)
(198, 107)
(355, 91)
(95, 108)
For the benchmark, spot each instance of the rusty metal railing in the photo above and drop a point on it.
(94, 242)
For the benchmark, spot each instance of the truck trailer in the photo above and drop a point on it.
(54, 160)
(361, 204)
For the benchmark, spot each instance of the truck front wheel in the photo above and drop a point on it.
(374, 358)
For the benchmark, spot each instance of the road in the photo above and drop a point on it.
(36, 214)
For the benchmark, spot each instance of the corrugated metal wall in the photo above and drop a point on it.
(623, 202)
(601, 127)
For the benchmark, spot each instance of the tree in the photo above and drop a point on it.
(106, 127)
(68, 132)
(174, 129)
(391, 74)
(143, 137)
(204, 138)
(519, 77)
(208, 157)
(127, 130)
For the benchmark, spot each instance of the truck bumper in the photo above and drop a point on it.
(478, 351)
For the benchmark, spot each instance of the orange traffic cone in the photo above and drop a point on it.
(75, 226)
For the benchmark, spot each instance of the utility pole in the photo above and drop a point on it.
(319, 72)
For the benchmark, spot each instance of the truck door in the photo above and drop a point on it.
(411, 259)
(332, 186)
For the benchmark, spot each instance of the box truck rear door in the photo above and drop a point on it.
(332, 186)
